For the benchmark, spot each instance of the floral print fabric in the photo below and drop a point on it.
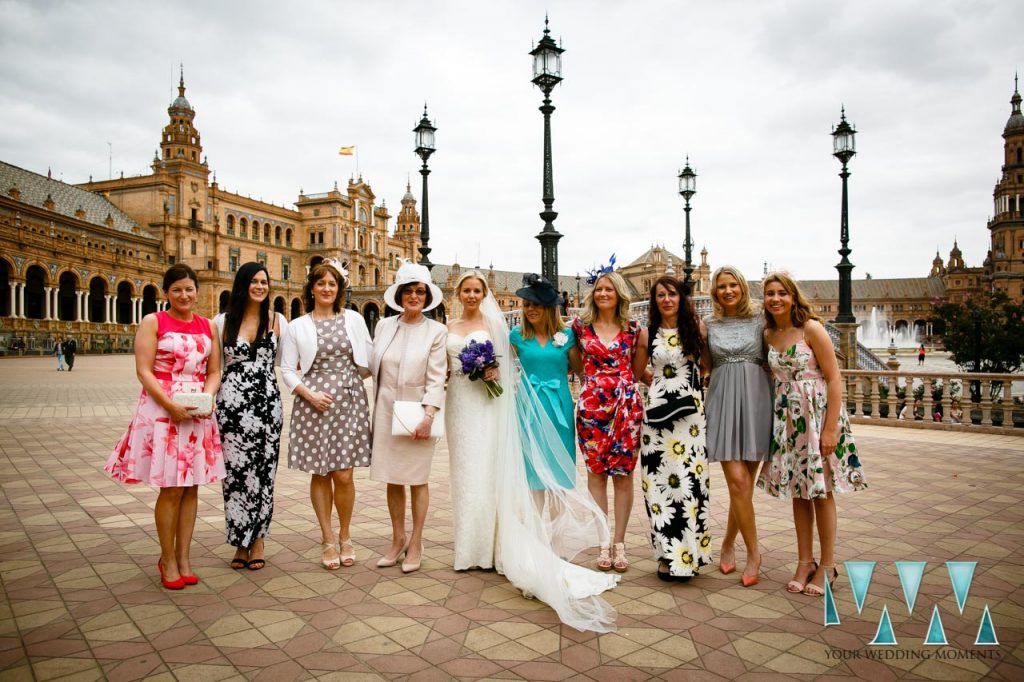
(610, 410)
(155, 450)
(796, 468)
(673, 460)
(249, 414)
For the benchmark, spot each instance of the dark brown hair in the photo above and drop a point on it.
(179, 271)
(401, 290)
(687, 324)
(317, 273)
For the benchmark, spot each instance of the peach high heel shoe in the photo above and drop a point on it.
(604, 559)
(387, 562)
(727, 567)
(330, 563)
(794, 586)
(751, 580)
(408, 566)
(830, 576)
(348, 553)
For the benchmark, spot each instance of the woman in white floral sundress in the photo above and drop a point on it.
(812, 451)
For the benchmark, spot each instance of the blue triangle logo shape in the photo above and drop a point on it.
(831, 612)
(859, 574)
(911, 573)
(884, 636)
(961, 573)
(936, 634)
(986, 631)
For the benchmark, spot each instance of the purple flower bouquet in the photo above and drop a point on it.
(477, 358)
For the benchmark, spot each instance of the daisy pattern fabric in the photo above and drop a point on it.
(673, 460)
(796, 468)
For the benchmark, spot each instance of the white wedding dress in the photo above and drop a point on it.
(538, 532)
(470, 422)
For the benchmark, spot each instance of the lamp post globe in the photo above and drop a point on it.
(547, 73)
(424, 132)
(844, 147)
(687, 188)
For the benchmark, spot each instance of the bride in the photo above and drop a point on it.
(529, 536)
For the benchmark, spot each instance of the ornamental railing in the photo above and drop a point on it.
(945, 400)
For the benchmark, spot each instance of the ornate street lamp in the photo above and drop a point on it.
(578, 290)
(844, 146)
(547, 73)
(424, 148)
(687, 188)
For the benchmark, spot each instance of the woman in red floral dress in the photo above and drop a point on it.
(610, 409)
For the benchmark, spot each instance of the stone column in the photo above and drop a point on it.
(80, 315)
(13, 301)
(46, 302)
(21, 300)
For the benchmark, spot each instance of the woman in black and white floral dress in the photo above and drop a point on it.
(673, 452)
(249, 413)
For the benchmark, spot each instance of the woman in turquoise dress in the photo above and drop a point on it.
(546, 349)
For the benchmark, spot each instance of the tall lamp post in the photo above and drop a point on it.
(424, 148)
(687, 188)
(844, 146)
(578, 290)
(547, 73)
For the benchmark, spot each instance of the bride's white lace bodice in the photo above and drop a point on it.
(470, 429)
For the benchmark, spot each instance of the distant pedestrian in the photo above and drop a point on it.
(58, 350)
(920, 355)
(70, 348)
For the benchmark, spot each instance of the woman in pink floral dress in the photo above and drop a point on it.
(812, 450)
(165, 445)
(610, 410)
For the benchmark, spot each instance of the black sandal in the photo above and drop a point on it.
(256, 564)
(667, 575)
(238, 564)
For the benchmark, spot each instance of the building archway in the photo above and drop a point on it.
(371, 313)
(124, 303)
(35, 282)
(296, 308)
(97, 299)
(67, 297)
(225, 299)
(149, 300)
(279, 305)
(5, 287)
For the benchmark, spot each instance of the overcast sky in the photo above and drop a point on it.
(750, 90)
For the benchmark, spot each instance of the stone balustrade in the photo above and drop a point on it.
(878, 397)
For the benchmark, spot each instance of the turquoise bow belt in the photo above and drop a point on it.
(551, 386)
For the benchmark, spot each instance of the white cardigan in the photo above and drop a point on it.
(298, 347)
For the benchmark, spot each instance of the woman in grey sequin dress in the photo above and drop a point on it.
(738, 410)
(324, 356)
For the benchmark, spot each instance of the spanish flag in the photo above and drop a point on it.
(347, 151)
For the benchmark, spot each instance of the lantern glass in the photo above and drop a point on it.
(424, 137)
(547, 62)
(687, 181)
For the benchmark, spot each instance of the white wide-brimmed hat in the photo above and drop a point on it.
(408, 273)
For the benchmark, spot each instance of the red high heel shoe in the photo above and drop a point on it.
(178, 584)
(751, 580)
(190, 579)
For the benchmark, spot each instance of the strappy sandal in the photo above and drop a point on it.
(238, 563)
(604, 559)
(621, 563)
(347, 558)
(814, 590)
(794, 586)
(331, 564)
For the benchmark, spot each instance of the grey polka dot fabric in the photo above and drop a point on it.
(322, 442)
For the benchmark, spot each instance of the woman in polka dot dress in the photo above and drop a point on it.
(324, 358)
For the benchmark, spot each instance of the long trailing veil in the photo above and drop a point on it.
(541, 531)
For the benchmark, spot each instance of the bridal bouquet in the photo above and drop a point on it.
(476, 358)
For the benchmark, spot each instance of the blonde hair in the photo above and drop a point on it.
(472, 274)
(589, 312)
(745, 307)
(551, 322)
(801, 311)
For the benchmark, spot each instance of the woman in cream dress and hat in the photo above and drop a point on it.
(408, 363)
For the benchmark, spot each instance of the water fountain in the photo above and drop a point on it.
(878, 333)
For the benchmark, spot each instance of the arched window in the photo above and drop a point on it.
(256, 230)
(288, 237)
(243, 227)
(266, 232)
(362, 215)
(231, 224)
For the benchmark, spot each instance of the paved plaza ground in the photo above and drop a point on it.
(81, 598)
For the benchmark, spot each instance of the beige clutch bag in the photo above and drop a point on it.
(202, 402)
(406, 416)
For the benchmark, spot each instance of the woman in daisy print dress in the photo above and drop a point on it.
(673, 454)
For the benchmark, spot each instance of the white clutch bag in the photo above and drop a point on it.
(406, 416)
(202, 402)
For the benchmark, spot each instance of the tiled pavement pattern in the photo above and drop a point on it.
(81, 597)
